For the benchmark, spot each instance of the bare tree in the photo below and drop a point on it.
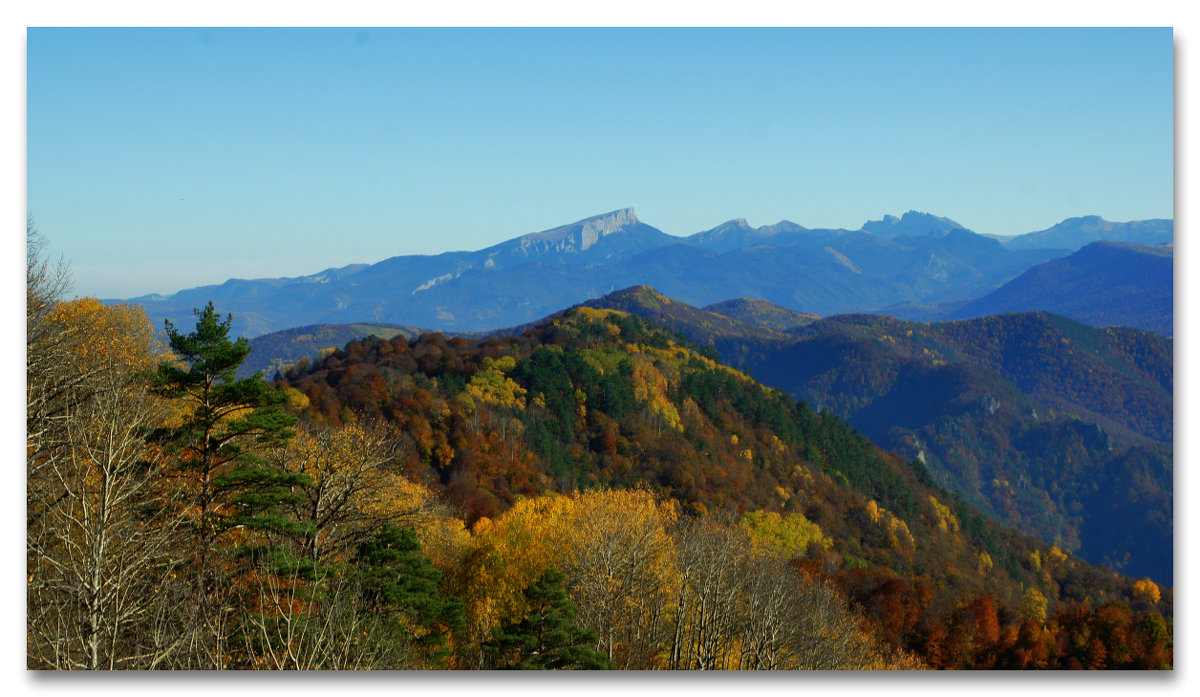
(100, 550)
(706, 622)
(47, 346)
(100, 522)
(317, 623)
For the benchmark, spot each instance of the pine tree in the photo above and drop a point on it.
(547, 638)
(226, 421)
(400, 590)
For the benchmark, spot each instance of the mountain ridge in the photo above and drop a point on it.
(918, 258)
(1075, 233)
(1103, 284)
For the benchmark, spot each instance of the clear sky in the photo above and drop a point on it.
(164, 159)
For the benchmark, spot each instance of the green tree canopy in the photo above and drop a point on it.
(547, 638)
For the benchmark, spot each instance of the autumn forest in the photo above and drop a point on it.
(594, 492)
(433, 351)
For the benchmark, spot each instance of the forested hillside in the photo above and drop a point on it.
(1056, 428)
(603, 399)
(762, 313)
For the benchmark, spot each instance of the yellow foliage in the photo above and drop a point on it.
(108, 335)
(650, 385)
(582, 534)
(899, 536)
(947, 521)
(1145, 588)
(354, 488)
(296, 398)
(786, 535)
(873, 511)
(491, 385)
(1057, 555)
(1032, 606)
(580, 403)
(606, 361)
(593, 314)
(985, 563)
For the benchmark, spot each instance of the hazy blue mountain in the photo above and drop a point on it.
(829, 272)
(916, 258)
(912, 223)
(1104, 284)
(1074, 233)
(729, 236)
(738, 234)
(412, 290)
(600, 239)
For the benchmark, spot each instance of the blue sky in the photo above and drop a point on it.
(164, 159)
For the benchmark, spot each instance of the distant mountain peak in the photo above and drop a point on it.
(1074, 233)
(639, 292)
(584, 233)
(880, 226)
(913, 217)
(731, 226)
(913, 223)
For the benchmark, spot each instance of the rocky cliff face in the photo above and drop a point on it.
(576, 237)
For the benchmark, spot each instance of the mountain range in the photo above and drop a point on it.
(917, 258)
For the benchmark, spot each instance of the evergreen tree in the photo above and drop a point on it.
(547, 638)
(229, 419)
(400, 589)
(225, 421)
